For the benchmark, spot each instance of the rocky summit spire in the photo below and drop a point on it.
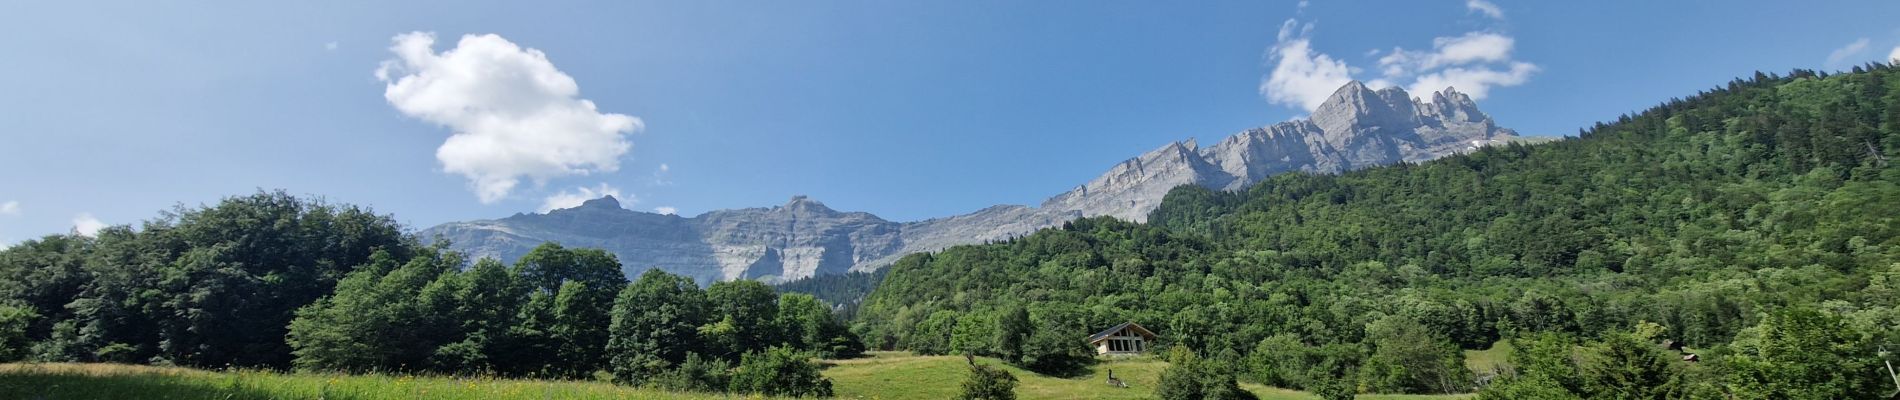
(1451, 105)
(607, 202)
(802, 204)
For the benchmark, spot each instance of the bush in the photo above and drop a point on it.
(845, 345)
(13, 323)
(1191, 378)
(697, 374)
(988, 383)
(1279, 361)
(779, 372)
(1533, 387)
(1409, 358)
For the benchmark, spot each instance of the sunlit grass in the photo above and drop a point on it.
(883, 375)
(902, 376)
(1484, 361)
(114, 381)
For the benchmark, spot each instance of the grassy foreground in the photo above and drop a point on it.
(114, 381)
(883, 375)
(902, 376)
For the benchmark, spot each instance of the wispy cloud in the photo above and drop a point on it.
(87, 225)
(1487, 8)
(329, 46)
(514, 115)
(666, 210)
(1845, 53)
(10, 208)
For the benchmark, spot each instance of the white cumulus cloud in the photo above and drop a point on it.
(1487, 8)
(666, 210)
(574, 198)
(1301, 77)
(1474, 62)
(1894, 56)
(10, 208)
(87, 225)
(514, 116)
(1846, 52)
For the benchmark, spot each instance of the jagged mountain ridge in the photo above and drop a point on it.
(1356, 127)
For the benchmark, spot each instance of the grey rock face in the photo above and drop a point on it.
(1357, 127)
(799, 239)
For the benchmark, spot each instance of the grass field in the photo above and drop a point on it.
(1483, 361)
(883, 375)
(112, 381)
(901, 376)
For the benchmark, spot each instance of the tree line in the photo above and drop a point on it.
(274, 281)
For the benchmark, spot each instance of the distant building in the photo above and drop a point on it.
(1127, 338)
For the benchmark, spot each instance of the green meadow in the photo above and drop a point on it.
(882, 375)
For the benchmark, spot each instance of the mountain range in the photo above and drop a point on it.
(1356, 127)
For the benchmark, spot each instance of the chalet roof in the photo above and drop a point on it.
(1098, 336)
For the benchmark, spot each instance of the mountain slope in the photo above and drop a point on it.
(1758, 224)
(1358, 127)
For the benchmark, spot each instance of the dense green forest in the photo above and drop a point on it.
(1754, 224)
(845, 291)
(273, 281)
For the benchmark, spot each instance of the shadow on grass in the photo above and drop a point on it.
(29, 385)
(1065, 368)
(1066, 372)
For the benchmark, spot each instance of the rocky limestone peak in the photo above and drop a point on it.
(1356, 110)
(1451, 105)
(804, 205)
(1396, 97)
(1451, 95)
(607, 202)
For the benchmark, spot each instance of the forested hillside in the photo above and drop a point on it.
(1754, 223)
(274, 281)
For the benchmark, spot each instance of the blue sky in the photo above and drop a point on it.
(909, 110)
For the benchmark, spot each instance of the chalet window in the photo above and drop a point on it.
(1123, 339)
